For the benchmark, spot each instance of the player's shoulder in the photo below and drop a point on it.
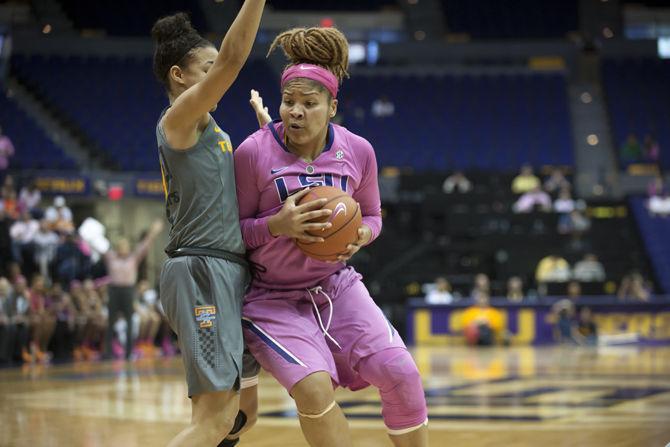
(352, 140)
(261, 138)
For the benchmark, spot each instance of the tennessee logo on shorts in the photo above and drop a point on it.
(205, 315)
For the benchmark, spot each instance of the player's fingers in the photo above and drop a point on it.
(295, 197)
(311, 215)
(316, 226)
(308, 238)
(312, 205)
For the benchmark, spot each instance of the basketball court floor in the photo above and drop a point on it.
(512, 397)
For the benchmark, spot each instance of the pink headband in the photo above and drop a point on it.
(313, 72)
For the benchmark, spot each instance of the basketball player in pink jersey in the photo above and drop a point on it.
(313, 324)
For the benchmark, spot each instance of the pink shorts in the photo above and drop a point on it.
(283, 332)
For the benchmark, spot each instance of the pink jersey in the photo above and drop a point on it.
(266, 173)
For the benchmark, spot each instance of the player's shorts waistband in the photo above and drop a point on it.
(214, 253)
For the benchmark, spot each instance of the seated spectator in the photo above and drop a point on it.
(43, 320)
(556, 181)
(23, 234)
(29, 200)
(481, 285)
(532, 199)
(382, 107)
(62, 308)
(515, 289)
(6, 150)
(20, 316)
(586, 327)
(525, 181)
(457, 182)
(552, 268)
(9, 204)
(564, 203)
(440, 293)
(59, 216)
(633, 287)
(483, 325)
(589, 269)
(6, 326)
(574, 223)
(574, 290)
(46, 243)
(659, 206)
(655, 186)
(150, 320)
(631, 152)
(652, 150)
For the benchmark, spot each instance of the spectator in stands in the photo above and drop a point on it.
(483, 325)
(633, 287)
(23, 234)
(631, 152)
(43, 320)
(589, 269)
(70, 262)
(482, 284)
(652, 150)
(59, 216)
(64, 313)
(659, 205)
(6, 151)
(457, 182)
(46, 243)
(575, 223)
(552, 268)
(515, 289)
(150, 319)
(6, 326)
(525, 181)
(382, 107)
(440, 293)
(20, 314)
(29, 200)
(574, 290)
(530, 200)
(122, 266)
(655, 186)
(564, 203)
(5, 243)
(556, 181)
(586, 327)
(8, 198)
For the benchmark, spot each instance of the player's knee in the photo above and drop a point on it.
(314, 393)
(397, 377)
(217, 427)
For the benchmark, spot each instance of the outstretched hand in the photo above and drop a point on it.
(262, 114)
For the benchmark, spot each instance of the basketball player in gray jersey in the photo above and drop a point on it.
(203, 282)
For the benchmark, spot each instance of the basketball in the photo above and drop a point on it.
(346, 219)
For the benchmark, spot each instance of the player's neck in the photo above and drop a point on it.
(308, 151)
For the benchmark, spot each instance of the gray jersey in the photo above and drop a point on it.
(199, 183)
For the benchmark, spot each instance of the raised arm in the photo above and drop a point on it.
(190, 106)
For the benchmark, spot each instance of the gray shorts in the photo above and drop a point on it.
(202, 298)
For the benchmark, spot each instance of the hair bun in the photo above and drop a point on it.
(172, 27)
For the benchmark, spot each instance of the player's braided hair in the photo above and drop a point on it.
(326, 47)
(175, 39)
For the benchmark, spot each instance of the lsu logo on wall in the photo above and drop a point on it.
(205, 315)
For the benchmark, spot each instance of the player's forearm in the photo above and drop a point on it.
(255, 232)
(375, 225)
(240, 37)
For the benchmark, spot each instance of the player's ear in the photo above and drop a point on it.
(333, 108)
(177, 75)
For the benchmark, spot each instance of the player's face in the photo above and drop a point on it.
(200, 63)
(305, 111)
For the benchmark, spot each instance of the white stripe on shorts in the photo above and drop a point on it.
(276, 343)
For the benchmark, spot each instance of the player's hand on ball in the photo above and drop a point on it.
(364, 236)
(294, 220)
(262, 114)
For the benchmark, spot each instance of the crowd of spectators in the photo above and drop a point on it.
(54, 288)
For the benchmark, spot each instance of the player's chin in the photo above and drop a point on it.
(214, 108)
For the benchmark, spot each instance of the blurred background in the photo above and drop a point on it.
(523, 146)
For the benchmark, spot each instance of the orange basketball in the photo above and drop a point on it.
(346, 219)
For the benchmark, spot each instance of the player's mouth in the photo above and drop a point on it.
(295, 127)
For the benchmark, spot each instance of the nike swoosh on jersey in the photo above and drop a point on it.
(275, 171)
